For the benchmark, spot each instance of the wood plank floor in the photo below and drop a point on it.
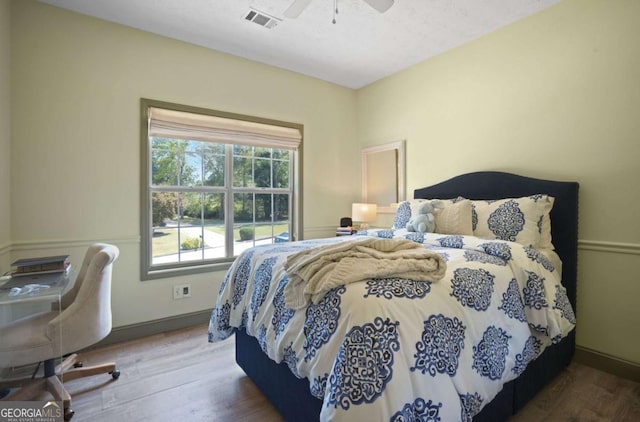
(179, 376)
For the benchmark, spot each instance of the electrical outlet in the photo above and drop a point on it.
(177, 292)
(181, 291)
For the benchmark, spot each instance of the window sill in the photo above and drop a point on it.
(154, 274)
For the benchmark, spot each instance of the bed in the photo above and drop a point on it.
(292, 370)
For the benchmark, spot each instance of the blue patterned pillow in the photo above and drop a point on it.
(403, 215)
(522, 220)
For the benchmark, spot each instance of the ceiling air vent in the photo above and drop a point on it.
(261, 18)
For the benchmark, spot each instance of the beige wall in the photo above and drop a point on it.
(556, 96)
(5, 135)
(77, 84)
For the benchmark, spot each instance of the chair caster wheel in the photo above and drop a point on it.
(68, 414)
(115, 374)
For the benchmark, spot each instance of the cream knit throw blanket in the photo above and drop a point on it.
(313, 272)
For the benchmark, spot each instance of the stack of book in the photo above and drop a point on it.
(41, 265)
(345, 231)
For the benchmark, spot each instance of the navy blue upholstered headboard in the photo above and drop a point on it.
(498, 185)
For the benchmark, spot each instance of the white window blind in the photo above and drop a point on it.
(174, 124)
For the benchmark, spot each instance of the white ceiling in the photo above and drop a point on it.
(362, 47)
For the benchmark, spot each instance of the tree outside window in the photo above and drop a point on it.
(209, 201)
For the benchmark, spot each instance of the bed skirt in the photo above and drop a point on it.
(293, 400)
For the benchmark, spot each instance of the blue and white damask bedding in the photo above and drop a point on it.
(394, 349)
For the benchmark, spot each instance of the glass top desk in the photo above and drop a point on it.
(27, 295)
(39, 287)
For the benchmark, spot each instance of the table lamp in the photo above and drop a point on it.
(364, 214)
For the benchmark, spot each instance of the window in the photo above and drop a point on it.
(214, 185)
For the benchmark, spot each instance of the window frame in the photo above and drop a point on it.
(148, 271)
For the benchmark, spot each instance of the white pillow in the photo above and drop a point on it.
(524, 220)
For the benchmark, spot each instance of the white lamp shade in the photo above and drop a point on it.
(364, 213)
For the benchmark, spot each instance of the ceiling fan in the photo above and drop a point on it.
(298, 6)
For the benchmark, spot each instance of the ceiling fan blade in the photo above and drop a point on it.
(380, 5)
(297, 7)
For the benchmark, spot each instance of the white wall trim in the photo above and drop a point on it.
(611, 247)
(310, 232)
(56, 244)
(319, 231)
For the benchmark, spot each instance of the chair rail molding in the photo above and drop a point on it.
(611, 247)
(70, 243)
(316, 232)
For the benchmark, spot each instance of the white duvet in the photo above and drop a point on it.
(396, 349)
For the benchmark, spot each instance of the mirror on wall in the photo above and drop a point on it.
(383, 175)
